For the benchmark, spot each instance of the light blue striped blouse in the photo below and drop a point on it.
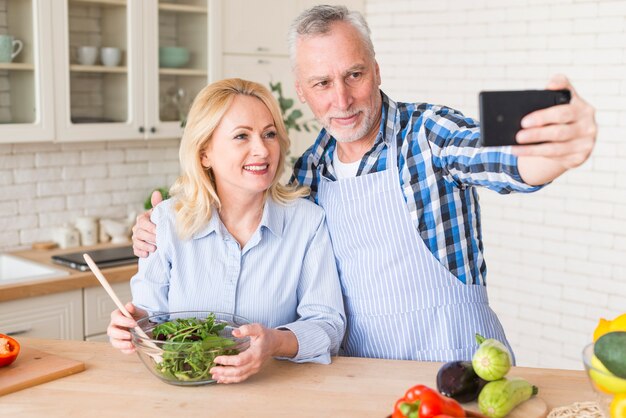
(284, 277)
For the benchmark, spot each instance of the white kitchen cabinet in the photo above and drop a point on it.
(139, 98)
(26, 83)
(56, 316)
(257, 27)
(98, 308)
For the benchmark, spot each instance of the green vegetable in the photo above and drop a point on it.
(498, 398)
(191, 346)
(610, 349)
(492, 360)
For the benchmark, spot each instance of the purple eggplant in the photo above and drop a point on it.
(458, 380)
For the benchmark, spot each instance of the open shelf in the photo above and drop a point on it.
(182, 8)
(120, 3)
(16, 66)
(183, 71)
(96, 69)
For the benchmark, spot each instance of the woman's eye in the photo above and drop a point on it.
(241, 136)
(270, 134)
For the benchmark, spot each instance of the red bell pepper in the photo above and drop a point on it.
(423, 402)
(9, 349)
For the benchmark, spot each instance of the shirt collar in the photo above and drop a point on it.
(273, 219)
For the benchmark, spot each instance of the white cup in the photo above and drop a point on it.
(110, 56)
(87, 55)
(88, 228)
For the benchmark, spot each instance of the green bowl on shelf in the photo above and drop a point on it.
(173, 56)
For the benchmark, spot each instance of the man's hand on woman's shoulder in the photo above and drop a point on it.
(144, 231)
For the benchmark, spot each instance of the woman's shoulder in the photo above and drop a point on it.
(304, 211)
(164, 212)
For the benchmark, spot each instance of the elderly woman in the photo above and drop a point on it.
(233, 239)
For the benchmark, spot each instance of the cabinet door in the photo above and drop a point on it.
(98, 306)
(101, 100)
(56, 316)
(257, 27)
(26, 83)
(177, 64)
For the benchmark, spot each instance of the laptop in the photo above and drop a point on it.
(109, 257)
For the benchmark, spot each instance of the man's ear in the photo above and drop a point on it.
(378, 81)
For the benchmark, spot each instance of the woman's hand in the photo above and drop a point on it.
(264, 344)
(119, 325)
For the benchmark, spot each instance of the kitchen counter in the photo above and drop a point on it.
(75, 280)
(118, 385)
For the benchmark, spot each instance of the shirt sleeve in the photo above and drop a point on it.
(150, 285)
(455, 144)
(321, 319)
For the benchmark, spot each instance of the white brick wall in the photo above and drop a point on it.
(556, 259)
(43, 186)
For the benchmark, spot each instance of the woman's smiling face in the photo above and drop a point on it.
(244, 151)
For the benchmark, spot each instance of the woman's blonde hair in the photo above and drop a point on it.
(194, 191)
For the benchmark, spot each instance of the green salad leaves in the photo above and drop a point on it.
(191, 346)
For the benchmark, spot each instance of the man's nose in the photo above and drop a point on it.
(343, 97)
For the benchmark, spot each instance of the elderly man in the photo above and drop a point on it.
(397, 182)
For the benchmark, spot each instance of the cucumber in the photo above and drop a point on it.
(499, 397)
(492, 360)
(610, 349)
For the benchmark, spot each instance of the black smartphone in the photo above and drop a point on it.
(501, 112)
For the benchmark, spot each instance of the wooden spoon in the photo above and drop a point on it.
(105, 283)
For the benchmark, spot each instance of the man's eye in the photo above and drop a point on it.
(322, 84)
(356, 75)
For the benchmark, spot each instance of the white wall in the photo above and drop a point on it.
(556, 259)
(43, 186)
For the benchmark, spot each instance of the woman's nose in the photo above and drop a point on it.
(259, 147)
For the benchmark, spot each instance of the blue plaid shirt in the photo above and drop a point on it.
(439, 160)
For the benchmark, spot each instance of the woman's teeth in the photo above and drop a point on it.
(255, 167)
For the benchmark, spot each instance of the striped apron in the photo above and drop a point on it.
(400, 302)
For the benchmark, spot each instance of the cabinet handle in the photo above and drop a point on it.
(19, 331)
(141, 130)
(262, 49)
(263, 62)
(152, 130)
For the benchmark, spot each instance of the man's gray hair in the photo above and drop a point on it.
(318, 20)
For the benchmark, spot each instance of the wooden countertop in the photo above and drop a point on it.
(76, 279)
(118, 385)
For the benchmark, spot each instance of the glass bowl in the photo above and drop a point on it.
(604, 383)
(185, 356)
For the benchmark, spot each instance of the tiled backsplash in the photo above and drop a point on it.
(48, 185)
(556, 259)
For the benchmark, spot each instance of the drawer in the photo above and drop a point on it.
(98, 306)
(56, 316)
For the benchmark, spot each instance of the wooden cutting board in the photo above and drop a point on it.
(33, 367)
(533, 408)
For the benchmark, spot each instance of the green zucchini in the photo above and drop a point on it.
(499, 397)
(492, 360)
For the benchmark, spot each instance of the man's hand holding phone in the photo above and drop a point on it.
(555, 139)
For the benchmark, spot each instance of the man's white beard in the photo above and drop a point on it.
(360, 132)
